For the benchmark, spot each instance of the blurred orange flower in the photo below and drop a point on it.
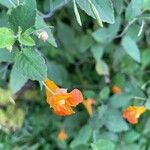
(60, 100)
(132, 113)
(88, 105)
(116, 89)
(62, 135)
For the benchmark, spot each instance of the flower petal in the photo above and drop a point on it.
(88, 105)
(52, 87)
(132, 113)
(75, 98)
(63, 110)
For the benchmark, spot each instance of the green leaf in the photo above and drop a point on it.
(146, 4)
(77, 13)
(147, 104)
(97, 51)
(103, 145)
(105, 9)
(82, 137)
(131, 48)
(8, 3)
(6, 56)
(131, 136)
(81, 147)
(119, 100)
(96, 13)
(106, 35)
(7, 37)
(104, 93)
(4, 96)
(102, 68)
(41, 25)
(114, 121)
(26, 40)
(84, 42)
(57, 73)
(145, 58)
(31, 64)
(24, 15)
(133, 9)
(17, 80)
(119, 6)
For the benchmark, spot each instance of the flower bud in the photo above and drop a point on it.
(43, 36)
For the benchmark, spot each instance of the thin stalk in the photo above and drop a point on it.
(48, 88)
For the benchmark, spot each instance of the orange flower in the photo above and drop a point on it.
(132, 113)
(116, 89)
(60, 100)
(88, 105)
(62, 135)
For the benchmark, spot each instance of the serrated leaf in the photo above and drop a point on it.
(24, 15)
(25, 39)
(31, 64)
(102, 68)
(17, 80)
(114, 121)
(82, 137)
(103, 145)
(105, 9)
(7, 37)
(131, 48)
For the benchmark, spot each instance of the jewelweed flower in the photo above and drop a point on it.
(88, 105)
(62, 135)
(116, 89)
(60, 100)
(132, 113)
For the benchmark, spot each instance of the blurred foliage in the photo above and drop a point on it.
(79, 53)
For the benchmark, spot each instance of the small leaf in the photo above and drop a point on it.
(7, 37)
(25, 39)
(96, 13)
(82, 137)
(131, 48)
(31, 64)
(102, 68)
(77, 13)
(103, 145)
(97, 51)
